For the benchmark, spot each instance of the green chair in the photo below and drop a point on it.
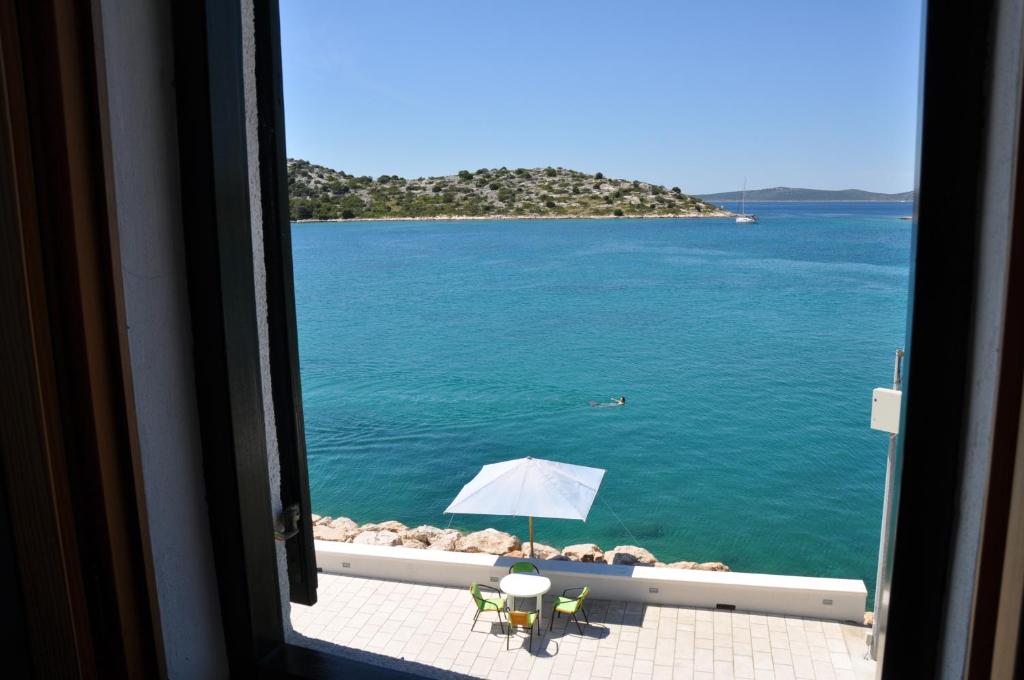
(523, 567)
(484, 604)
(521, 620)
(570, 606)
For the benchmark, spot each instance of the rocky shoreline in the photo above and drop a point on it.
(503, 217)
(489, 541)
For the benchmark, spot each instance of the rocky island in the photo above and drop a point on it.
(318, 193)
(490, 541)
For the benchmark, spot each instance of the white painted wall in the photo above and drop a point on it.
(139, 63)
(767, 593)
(260, 285)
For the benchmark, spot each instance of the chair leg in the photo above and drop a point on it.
(584, 612)
(552, 623)
(577, 622)
(531, 637)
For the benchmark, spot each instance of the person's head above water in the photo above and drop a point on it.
(622, 400)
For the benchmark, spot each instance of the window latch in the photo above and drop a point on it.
(290, 521)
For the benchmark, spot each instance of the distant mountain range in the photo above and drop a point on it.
(791, 194)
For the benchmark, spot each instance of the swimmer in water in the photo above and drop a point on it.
(621, 401)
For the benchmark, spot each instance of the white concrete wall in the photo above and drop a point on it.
(260, 284)
(770, 594)
(138, 59)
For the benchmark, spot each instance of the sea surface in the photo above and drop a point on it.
(747, 354)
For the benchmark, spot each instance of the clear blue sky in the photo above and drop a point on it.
(819, 94)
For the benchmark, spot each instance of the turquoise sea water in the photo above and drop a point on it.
(747, 355)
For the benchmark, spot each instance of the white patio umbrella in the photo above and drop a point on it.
(530, 487)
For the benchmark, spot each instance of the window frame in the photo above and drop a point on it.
(282, 327)
(218, 244)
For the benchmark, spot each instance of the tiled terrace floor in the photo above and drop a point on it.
(428, 630)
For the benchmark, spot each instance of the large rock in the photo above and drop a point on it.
(344, 523)
(322, 532)
(413, 543)
(541, 551)
(583, 552)
(426, 533)
(390, 525)
(489, 541)
(629, 555)
(558, 558)
(318, 520)
(432, 537)
(698, 566)
(447, 541)
(314, 518)
(382, 537)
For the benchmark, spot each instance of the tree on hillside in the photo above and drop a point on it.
(599, 175)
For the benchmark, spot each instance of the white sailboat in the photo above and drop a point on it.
(743, 217)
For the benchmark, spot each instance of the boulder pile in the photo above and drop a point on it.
(489, 541)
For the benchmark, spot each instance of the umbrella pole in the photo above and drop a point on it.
(531, 536)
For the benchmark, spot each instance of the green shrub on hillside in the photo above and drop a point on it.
(317, 193)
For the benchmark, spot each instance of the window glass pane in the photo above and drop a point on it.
(671, 242)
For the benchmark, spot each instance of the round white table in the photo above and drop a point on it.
(527, 585)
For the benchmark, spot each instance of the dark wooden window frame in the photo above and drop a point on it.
(80, 598)
(218, 241)
(219, 250)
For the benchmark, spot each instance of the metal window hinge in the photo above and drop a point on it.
(290, 521)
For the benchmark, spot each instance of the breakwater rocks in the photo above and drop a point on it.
(490, 541)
